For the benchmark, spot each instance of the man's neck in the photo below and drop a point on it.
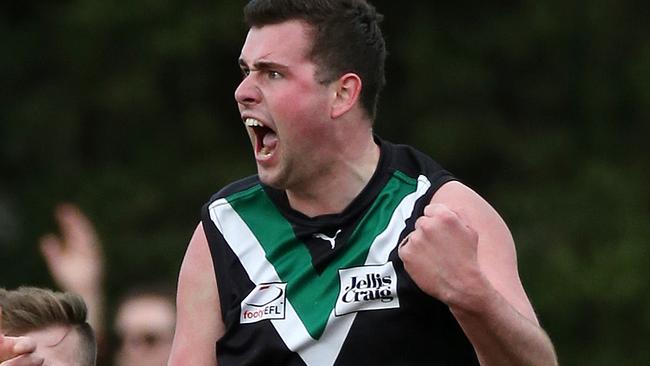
(332, 192)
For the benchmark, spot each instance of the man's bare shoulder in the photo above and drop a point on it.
(198, 320)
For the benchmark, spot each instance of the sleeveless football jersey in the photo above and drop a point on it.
(329, 290)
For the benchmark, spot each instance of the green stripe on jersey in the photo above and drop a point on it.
(312, 295)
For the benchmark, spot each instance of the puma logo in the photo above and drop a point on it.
(331, 240)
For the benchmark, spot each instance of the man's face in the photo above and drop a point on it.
(285, 109)
(58, 345)
(145, 326)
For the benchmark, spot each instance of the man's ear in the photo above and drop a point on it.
(348, 88)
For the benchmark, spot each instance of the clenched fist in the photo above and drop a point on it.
(440, 255)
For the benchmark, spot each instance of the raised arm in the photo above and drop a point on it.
(76, 261)
(462, 253)
(198, 313)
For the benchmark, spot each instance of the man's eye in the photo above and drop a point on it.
(274, 75)
(245, 72)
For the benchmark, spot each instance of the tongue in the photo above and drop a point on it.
(270, 140)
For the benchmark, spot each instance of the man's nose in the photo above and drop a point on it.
(247, 92)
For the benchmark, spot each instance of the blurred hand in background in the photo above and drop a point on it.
(75, 260)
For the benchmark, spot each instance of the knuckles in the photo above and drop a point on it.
(435, 209)
(439, 222)
(425, 223)
(444, 216)
(437, 217)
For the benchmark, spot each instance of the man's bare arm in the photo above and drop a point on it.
(198, 316)
(462, 253)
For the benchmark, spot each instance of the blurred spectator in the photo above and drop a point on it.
(145, 316)
(144, 326)
(53, 326)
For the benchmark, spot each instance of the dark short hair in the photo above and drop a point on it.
(160, 290)
(28, 309)
(347, 38)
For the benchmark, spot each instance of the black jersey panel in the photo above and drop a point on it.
(421, 331)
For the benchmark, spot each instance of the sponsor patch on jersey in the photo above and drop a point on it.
(367, 288)
(266, 301)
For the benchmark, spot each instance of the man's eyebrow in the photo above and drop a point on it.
(263, 65)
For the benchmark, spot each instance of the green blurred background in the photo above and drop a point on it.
(126, 108)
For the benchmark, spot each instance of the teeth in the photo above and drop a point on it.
(252, 122)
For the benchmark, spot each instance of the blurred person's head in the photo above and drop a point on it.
(56, 321)
(144, 325)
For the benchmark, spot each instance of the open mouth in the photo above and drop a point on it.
(266, 139)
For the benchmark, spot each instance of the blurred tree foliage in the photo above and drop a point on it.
(126, 108)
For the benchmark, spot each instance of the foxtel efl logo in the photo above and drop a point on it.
(367, 288)
(266, 301)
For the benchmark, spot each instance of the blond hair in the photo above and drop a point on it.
(28, 309)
